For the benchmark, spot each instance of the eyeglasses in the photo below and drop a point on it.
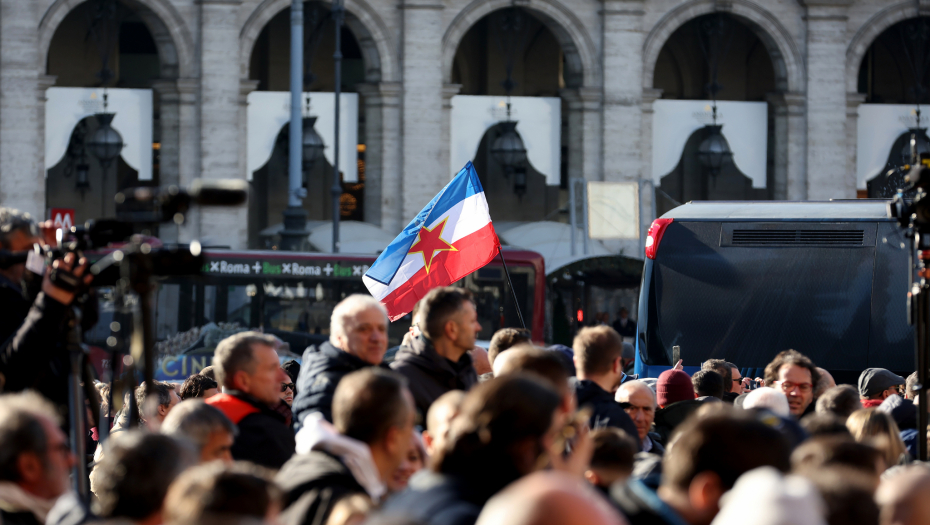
(738, 380)
(788, 386)
(285, 386)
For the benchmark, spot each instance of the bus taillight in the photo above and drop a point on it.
(654, 237)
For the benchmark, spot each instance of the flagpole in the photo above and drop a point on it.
(513, 292)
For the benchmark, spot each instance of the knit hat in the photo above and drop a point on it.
(673, 386)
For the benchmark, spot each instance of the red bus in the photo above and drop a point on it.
(292, 295)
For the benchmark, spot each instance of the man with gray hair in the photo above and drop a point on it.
(34, 459)
(357, 339)
(248, 368)
(206, 427)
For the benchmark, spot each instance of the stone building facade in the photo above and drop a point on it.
(610, 53)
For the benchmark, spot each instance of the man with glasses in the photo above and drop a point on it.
(794, 374)
(34, 459)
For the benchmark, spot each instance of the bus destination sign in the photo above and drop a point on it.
(282, 269)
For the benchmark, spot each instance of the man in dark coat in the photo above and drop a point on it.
(373, 416)
(248, 368)
(625, 326)
(437, 361)
(711, 454)
(598, 351)
(358, 338)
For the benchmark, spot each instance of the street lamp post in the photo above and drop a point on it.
(294, 233)
(105, 144)
(336, 189)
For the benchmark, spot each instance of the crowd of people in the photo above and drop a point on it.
(447, 434)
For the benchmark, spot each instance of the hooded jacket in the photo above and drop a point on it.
(263, 437)
(313, 483)
(430, 375)
(322, 367)
(327, 467)
(605, 411)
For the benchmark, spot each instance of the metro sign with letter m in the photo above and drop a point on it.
(62, 217)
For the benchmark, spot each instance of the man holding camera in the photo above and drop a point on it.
(32, 353)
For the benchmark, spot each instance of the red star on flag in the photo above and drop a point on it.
(431, 242)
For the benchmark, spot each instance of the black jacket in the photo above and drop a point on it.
(18, 518)
(322, 368)
(437, 499)
(313, 483)
(605, 411)
(668, 418)
(431, 375)
(263, 437)
(32, 352)
(625, 331)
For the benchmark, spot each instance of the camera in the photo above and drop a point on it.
(910, 206)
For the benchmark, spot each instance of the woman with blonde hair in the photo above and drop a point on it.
(878, 429)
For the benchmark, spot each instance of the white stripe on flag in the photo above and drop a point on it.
(465, 218)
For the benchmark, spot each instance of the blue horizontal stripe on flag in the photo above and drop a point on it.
(463, 185)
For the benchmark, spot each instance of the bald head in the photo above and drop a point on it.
(632, 388)
(439, 418)
(768, 398)
(826, 382)
(639, 402)
(905, 498)
(549, 498)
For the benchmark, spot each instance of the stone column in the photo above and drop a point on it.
(383, 186)
(22, 171)
(647, 192)
(584, 126)
(795, 104)
(448, 91)
(853, 100)
(623, 89)
(169, 99)
(188, 149)
(779, 187)
(220, 126)
(826, 97)
(423, 174)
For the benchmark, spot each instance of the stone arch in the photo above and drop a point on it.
(172, 36)
(870, 30)
(581, 59)
(364, 22)
(786, 57)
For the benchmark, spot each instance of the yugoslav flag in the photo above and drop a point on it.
(450, 238)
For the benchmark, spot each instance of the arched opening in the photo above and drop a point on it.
(894, 73)
(745, 73)
(136, 58)
(270, 65)
(523, 40)
(894, 68)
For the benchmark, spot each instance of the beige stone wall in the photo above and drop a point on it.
(610, 48)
